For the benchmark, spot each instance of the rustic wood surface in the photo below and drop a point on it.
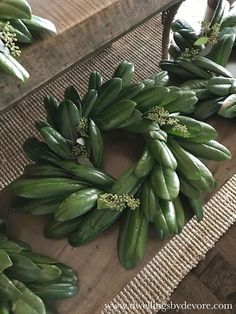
(83, 27)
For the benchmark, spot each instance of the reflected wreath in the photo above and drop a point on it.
(68, 182)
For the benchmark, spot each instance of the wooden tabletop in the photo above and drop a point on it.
(83, 26)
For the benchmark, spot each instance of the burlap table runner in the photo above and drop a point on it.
(155, 283)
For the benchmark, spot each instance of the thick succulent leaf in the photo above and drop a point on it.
(71, 93)
(149, 202)
(92, 224)
(188, 190)
(179, 213)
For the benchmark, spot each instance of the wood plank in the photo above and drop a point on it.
(226, 246)
(219, 276)
(84, 26)
(192, 291)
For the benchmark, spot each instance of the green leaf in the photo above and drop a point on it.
(3, 47)
(23, 35)
(186, 161)
(132, 238)
(5, 261)
(198, 132)
(4, 307)
(77, 204)
(168, 211)
(228, 21)
(29, 303)
(187, 189)
(2, 237)
(15, 9)
(228, 109)
(39, 24)
(68, 119)
(10, 247)
(197, 208)
(12, 67)
(40, 259)
(116, 114)
(211, 150)
(71, 93)
(7, 289)
(48, 272)
(165, 182)
(23, 269)
(161, 153)
(201, 41)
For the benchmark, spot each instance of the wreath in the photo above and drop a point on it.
(68, 182)
(28, 280)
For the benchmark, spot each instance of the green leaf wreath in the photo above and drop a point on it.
(67, 180)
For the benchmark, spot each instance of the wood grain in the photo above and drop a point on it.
(84, 26)
(193, 291)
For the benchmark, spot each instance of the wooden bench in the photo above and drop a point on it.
(84, 26)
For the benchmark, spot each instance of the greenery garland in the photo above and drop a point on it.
(18, 26)
(214, 41)
(201, 58)
(67, 180)
(28, 280)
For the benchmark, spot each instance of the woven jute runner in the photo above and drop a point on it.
(155, 283)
